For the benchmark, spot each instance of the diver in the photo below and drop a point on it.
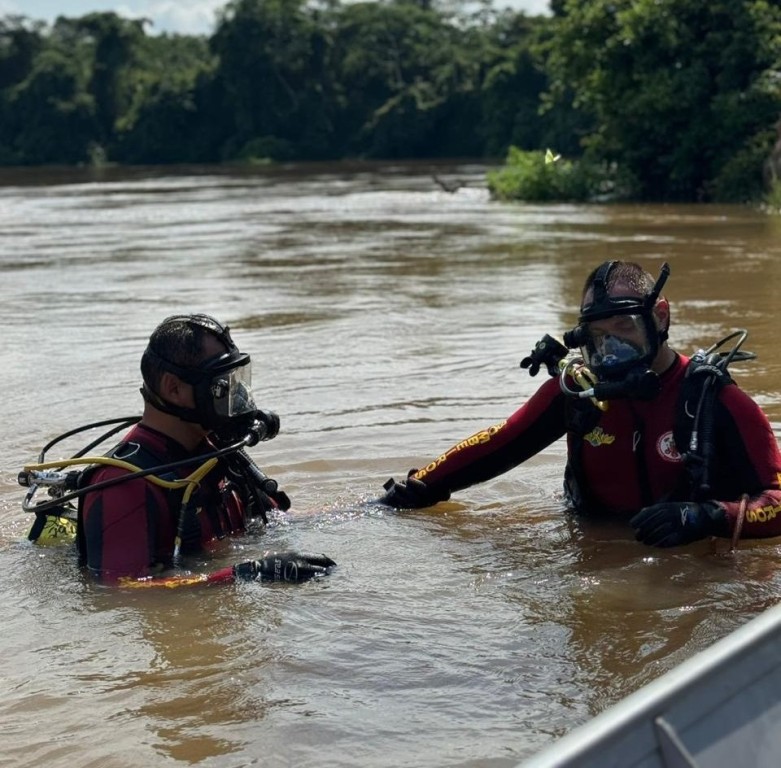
(666, 442)
(180, 481)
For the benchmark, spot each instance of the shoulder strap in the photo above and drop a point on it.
(133, 453)
(136, 454)
(694, 421)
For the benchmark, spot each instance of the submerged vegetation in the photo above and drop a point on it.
(672, 100)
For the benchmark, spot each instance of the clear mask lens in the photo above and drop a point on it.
(232, 392)
(616, 343)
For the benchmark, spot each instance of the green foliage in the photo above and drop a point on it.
(772, 199)
(279, 80)
(49, 114)
(273, 67)
(652, 99)
(20, 43)
(675, 87)
(109, 46)
(168, 118)
(772, 175)
(511, 89)
(740, 178)
(264, 149)
(528, 176)
(400, 67)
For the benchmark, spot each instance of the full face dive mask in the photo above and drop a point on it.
(617, 335)
(222, 384)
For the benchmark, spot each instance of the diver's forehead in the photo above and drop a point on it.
(619, 288)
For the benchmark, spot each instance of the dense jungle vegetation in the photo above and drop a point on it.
(649, 99)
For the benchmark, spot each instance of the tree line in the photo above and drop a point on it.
(679, 99)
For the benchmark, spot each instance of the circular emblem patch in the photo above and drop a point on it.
(666, 447)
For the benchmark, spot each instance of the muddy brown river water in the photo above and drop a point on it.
(386, 319)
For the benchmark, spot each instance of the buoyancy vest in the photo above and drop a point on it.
(236, 479)
(142, 458)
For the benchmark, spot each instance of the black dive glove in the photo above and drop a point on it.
(411, 494)
(284, 566)
(674, 523)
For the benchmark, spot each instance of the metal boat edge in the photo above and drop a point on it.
(720, 707)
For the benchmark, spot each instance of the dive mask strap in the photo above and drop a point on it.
(600, 283)
(186, 414)
(603, 305)
(209, 324)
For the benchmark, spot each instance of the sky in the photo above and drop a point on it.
(187, 17)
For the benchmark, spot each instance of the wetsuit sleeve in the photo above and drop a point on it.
(122, 526)
(748, 461)
(493, 451)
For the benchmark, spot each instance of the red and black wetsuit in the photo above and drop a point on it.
(628, 459)
(128, 529)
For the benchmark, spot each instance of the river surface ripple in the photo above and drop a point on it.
(386, 318)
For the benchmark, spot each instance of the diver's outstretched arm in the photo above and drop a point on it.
(293, 567)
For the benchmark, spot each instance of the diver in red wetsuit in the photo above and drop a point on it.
(669, 443)
(197, 399)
